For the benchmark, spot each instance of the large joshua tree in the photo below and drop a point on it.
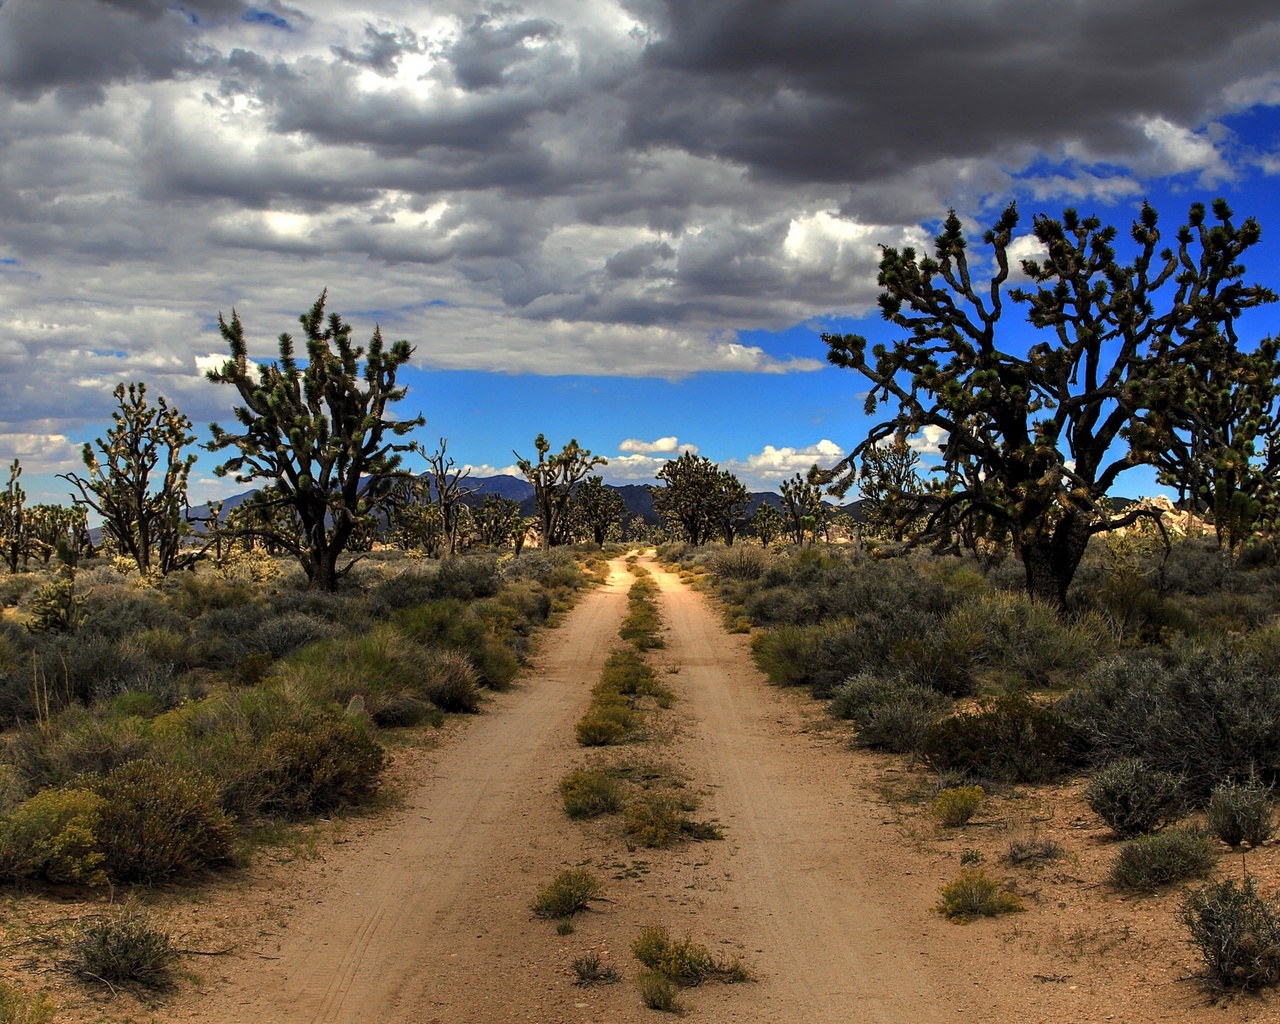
(319, 433)
(1039, 432)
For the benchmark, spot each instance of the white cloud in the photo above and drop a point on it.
(662, 444)
(770, 466)
(1178, 150)
(929, 441)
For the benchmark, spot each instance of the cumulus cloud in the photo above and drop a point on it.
(662, 444)
(771, 465)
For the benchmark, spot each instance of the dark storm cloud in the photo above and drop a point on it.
(382, 51)
(78, 47)
(839, 91)
(485, 49)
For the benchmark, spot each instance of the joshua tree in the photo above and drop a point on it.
(320, 433)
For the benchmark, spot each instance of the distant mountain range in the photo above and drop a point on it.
(636, 497)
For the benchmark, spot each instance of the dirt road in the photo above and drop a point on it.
(426, 919)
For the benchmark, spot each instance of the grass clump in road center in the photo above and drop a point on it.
(659, 820)
(569, 893)
(685, 962)
(590, 792)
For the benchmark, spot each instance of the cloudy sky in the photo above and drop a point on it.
(624, 221)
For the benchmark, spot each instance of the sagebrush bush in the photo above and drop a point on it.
(1237, 932)
(956, 805)
(1134, 799)
(54, 836)
(1013, 738)
(159, 821)
(589, 793)
(1153, 861)
(570, 892)
(683, 961)
(974, 893)
(124, 950)
(331, 765)
(890, 713)
(1209, 711)
(1241, 813)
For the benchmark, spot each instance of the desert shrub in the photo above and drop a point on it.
(1027, 638)
(597, 731)
(340, 609)
(935, 660)
(570, 892)
(1012, 738)
(115, 614)
(78, 742)
(626, 673)
(956, 805)
(1241, 813)
(467, 578)
(1212, 713)
(282, 634)
(659, 820)
(784, 654)
(890, 713)
(18, 1007)
(159, 821)
(740, 562)
(331, 765)
(589, 793)
(1153, 861)
(451, 682)
(658, 992)
(683, 961)
(450, 623)
(1237, 932)
(589, 970)
(1134, 799)
(976, 894)
(53, 836)
(1033, 851)
(124, 950)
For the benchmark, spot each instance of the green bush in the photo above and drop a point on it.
(956, 805)
(124, 950)
(976, 894)
(1237, 933)
(570, 892)
(451, 682)
(658, 992)
(53, 836)
(1241, 813)
(1012, 738)
(683, 961)
(659, 820)
(589, 793)
(1153, 861)
(1134, 799)
(332, 765)
(597, 731)
(159, 821)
